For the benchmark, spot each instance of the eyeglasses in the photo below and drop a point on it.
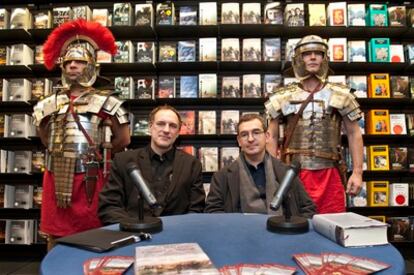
(255, 134)
(162, 124)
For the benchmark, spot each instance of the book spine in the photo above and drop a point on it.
(328, 229)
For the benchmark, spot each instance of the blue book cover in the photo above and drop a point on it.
(188, 87)
(186, 51)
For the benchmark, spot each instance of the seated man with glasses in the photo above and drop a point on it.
(249, 184)
(173, 176)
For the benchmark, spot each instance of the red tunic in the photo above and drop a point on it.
(78, 217)
(325, 189)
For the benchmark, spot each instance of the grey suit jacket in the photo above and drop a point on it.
(118, 198)
(224, 193)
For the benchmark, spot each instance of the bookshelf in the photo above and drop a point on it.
(33, 37)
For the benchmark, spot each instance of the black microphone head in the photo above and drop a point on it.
(295, 165)
(131, 166)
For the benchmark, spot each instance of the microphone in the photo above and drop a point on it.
(136, 177)
(284, 187)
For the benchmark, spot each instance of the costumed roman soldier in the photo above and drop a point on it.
(81, 126)
(312, 111)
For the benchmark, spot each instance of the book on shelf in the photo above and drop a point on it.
(397, 53)
(398, 158)
(17, 89)
(144, 15)
(207, 85)
(337, 14)
(273, 13)
(208, 49)
(230, 49)
(400, 228)
(189, 149)
(186, 258)
(146, 52)
(20, 18)
(252, 87)
(209, 158)
(229, 121)
(360, 199)
(251, 13)
(42, 19)
(377, 193)
(19, 231)
(122, 14)
(379, 85)
(356, 15)
(61, 15)
(271, 49)
(361, 123)
(165, 13)
(140, 125)
(101, 16)
(270, 84)
(167, 51)
(378, 158)
(103, 57)
(1, 125)
(230, 87)
(379, 50)
(230, 13)
(252, 49)
(81, 12)
(19, 161)
(188, 16)
(409, 52)
(397, 124)
(228, 155)
(166, 87)
(400, 86)
(357, 51)
(378, 122)
(350, 229)
(2, 206)
(338, 49)
(20, 54)
(377, 15)
(186, 51)
(290, 48)
(4, 52)
(410, 159)
(294, 15)
(38, 161)
(187, 122)
(38, 54)
(18, 196)
(399, 194)
(145, 88)
(124, 87)
(207, 122)
(125, 52)
(410, 124)
(207, 13)
(41, 87)
(317, 14)
(188, 86)
(338, 79)
(18, 125)
(4, 19)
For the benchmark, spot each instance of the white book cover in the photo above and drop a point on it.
(188, 86)
(340, 79)
(230, 49)
(230, 13)
(18, 196)
(81, 12)
(186, 51)
(20, 18)
(209, 158)
(207, 85)
(61, 15)
(397, 53)
(208, 49)
(188, 16)
(207, 13)
(229, 121)
(359, 84)
(19, 231)
(251, 13)
(100, 16)
(228, 155)
(337, 14)
(144, 15)
(252, 87)
(289, 80)
(356, 15)
(350, 229)
(20, 54)
(290, 48)
(252, 49)
(338, 50)
(18, 125)
(207, 122)
(317, 14)
(357, 51)
(397, 124)
(399, 194)
(17, 89)
(230, 87)
(42, 19)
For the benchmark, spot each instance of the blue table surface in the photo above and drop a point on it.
(228, 239)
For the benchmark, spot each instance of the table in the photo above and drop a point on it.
(227, 239)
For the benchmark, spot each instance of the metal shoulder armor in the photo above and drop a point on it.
(113, 107)
(273, 106)
(48, 106)
(344, 101)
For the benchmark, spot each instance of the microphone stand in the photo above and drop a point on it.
(144, 224)
(287, 224)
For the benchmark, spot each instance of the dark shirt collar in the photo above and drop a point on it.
(169, 155)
